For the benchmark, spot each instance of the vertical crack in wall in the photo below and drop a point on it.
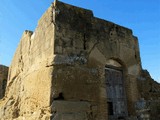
(29, 47)
(84, 42)
(20, 62)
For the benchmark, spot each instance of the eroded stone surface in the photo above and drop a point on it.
(150, 94)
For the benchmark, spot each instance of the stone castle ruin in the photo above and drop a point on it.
(75, 66)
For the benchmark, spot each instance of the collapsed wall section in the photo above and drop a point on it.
(148, 107)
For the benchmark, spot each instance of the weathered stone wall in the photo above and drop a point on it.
(3, 80)
(149, 89)
(83, 46)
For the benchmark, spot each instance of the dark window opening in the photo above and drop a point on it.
(135, 56)
(60, 97)
(110, 108)
(4, 86)
(72, 43)
(121, 118)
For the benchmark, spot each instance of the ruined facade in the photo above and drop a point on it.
(74, 66)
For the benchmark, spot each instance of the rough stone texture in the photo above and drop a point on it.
(83, 47)
(59, 71)
(70, 110)
(149, 89)
(150, 92)
(3, 80)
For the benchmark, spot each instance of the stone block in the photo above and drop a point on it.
(70, 106)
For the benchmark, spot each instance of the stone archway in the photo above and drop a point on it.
(116, 95)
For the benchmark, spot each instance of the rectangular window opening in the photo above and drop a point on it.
(110, 108)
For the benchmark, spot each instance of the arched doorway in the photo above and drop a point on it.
(116, 95)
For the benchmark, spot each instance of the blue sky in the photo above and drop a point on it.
(142, 16)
